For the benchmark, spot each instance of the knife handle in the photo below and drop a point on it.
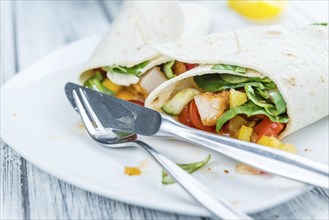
(267, 159)
(220, 207)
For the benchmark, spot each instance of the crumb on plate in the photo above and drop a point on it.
(133, 171)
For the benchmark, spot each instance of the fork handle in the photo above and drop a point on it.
(270, 160)
(217, 206)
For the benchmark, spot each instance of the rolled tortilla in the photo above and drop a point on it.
(296, 59)
(139, 26)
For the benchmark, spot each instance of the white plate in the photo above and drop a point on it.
(39, 123)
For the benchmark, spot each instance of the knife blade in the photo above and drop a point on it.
(118, 114)
(128, 117)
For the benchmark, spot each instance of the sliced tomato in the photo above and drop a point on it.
(136, 102)
(184, 116)
(268, 128)
(196, 120)
(190, 66)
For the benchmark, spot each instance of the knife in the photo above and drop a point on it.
(129, 117)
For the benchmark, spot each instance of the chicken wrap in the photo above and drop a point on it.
(257, 84)
(125, 64)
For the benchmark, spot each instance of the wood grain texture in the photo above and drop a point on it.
(10, 162)
(32, 29)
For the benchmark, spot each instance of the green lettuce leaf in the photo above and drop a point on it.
(95, 81)
(134, 70)
(249, 109)
(237, 69)
(190, 168)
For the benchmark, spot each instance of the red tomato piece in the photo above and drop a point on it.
(196, 120)
(190, 66)
(184, 116)
(136, 102)
(268, 128)
(224, 130)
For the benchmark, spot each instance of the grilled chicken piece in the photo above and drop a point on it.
(152, 79)
(179, 68)
(211, 106)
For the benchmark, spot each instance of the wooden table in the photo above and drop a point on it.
(31, 30)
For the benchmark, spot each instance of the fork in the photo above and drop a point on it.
(219, 207)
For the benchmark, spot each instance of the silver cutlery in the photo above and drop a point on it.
(125, 116)
(115, 139)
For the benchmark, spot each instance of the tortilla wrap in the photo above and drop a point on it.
(296, 59)
(143, 24)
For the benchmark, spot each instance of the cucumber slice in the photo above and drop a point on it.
(176, 104)
(167, 69)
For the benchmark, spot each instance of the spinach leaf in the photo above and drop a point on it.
(255, 97)
(322, 24)
(277, 105)
(190, 168)
(262, 93)
(278, 101)
(219, 82)
(248, 109)
(134, 70)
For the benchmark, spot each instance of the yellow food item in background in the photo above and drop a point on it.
(258, 9)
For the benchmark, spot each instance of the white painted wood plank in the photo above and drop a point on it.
(307, 206)
(10, 184)
(7, 54)
(10, 162)
(48, 25)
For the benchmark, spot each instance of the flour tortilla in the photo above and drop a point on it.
(296, 59)
(142, 24)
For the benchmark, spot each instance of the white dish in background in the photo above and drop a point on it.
(39, 123)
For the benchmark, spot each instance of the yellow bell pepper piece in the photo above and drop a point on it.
(269, 141)
(237, 98)
(126, 95)
(289, 148)
(111, 86)
(275, 143)
(258, 9)
(245, 133)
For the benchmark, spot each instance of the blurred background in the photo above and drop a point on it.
(30, 22)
